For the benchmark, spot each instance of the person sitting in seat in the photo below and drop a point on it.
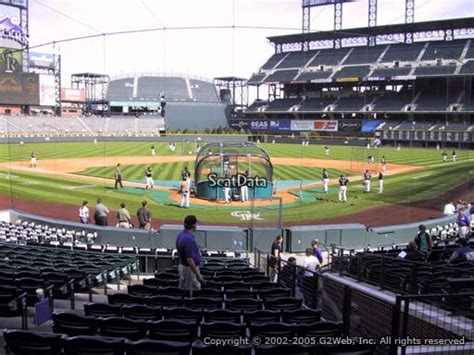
(463, 254)
(412, 253)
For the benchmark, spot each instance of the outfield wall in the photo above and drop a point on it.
(297, 238)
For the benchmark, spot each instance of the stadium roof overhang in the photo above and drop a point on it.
(450, 24)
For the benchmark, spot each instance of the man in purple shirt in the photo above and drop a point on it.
(317, 250)
(464, 224)
(463, 254)
(189, 256)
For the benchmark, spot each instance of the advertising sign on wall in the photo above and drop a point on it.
(259, 125)
(41, 60)
(11, 60)
(302, 125)
(72, 95)
(47, 95)
(349, 125)
(280, 125)
(19, 89)
(325, 125)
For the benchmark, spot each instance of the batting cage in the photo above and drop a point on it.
(226, 168)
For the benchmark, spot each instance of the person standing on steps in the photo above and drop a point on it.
(118, 176)
(423, 240)
(189, 256)
(274, 258)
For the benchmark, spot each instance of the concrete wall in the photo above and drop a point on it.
(296, 238)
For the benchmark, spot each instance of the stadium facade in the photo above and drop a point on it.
(401, 83)
(191, 103)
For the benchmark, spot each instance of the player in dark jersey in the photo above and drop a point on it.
(343, 182)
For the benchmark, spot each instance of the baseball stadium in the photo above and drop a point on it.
(353, 143)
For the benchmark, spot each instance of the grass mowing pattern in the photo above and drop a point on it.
(437, 179)
(410, 156)
(172, 171)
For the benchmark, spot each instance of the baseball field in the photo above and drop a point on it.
(417, 182)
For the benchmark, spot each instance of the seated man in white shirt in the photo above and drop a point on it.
(449, 209)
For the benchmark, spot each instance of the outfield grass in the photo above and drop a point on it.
(409, 156)
(172, 171)
(436, 179)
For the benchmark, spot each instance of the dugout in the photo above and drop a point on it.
(233, 164)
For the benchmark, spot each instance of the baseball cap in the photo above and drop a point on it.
(190, 221)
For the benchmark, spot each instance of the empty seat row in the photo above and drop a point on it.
(178, 330)
(143, 312)
(206, 302)
(22, 342)
(256, 285)
(228, 293)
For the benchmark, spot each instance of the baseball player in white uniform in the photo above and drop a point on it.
(33, 160)
(380, 182)
(244, 190)
(325, 181)
(367, 177)
(185, 190)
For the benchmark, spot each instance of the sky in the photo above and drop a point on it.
(204, 53)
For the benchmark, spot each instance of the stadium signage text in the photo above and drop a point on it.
(9, 30)
(237, 180)
(259, 124)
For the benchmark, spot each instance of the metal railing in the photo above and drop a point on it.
(389, 272)
(419, 320)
